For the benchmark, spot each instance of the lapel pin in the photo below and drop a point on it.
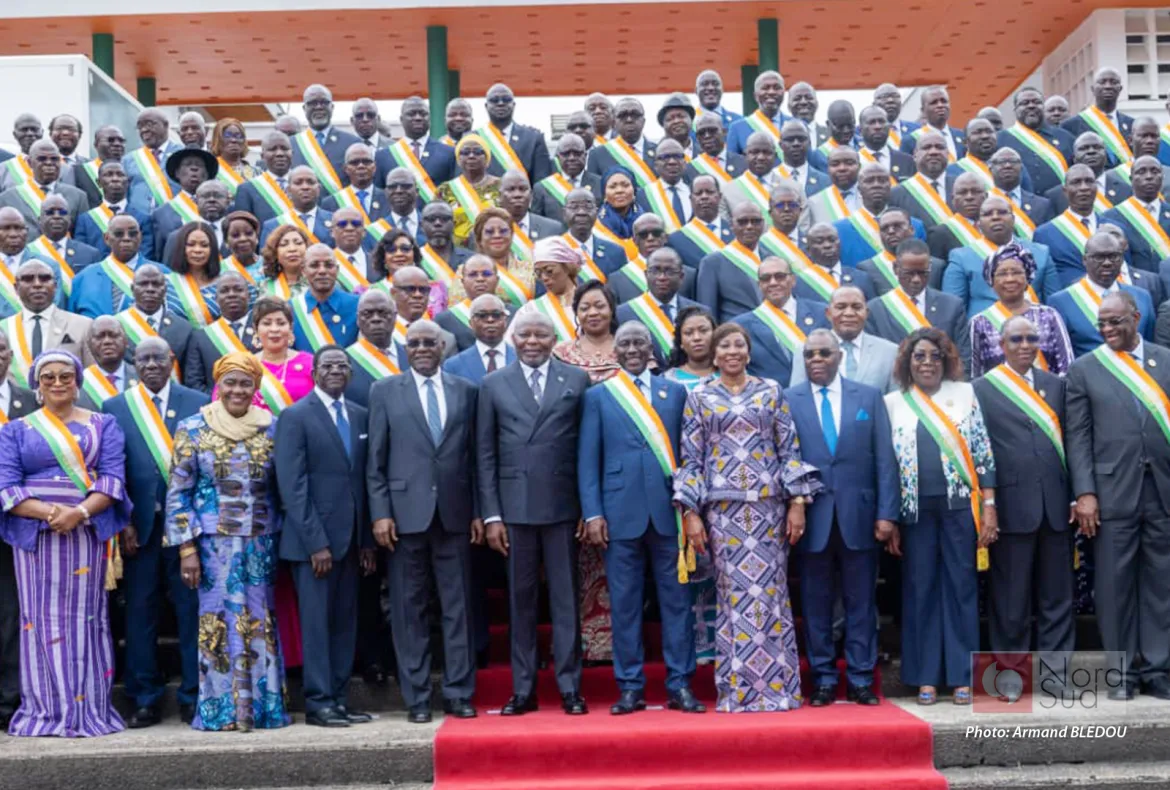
(662, 394)
(1056, 142)
(337, 319)
(70, 251)
(515, 138)
(1043, 394)
(171, 414)
(328, 223)
(425, 154)
(57, 330)
(298, 366)
(16, 404)
(1153, 363)
(166, 321)
(933, 308)
(847, 278)
(1112, 192)
(950, 403)
(560, 378)
(333, 138)
(808, 320)
(376, 204)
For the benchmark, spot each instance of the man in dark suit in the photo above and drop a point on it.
(109, 145)
(548, 196)
(858, 241)
(45, 162)
(936, 110)
(1145, 217)
(713, 158)
(876, 147)
(668, 195)
(321, 472)
(403, 198)
(264, 196)
(843, 425)
(1044, 150)
(513, 144)
(795, 149)
(709, 91)
(487, 353)
(150, 571)
(149, 185)
(417, 151)
(478, 277)
(968, 195)
(362, 194)
(630, 149)
(707, 232)
(580, 217)
(526, 464)
(803, 105)
(1103, 117)
(981, 144)
(926, 195)
(438, 227)
(304, 193)
(322, 137)
(658, 306)
(92, 225)
(842, 126)
(150, 308)
(54, 245)
(367, 122)
(625, 480)
(424, 506)
(1118, 448)
(375, 354)
(1089, 149)
(825, 252)
(1023, 409)
(632, 280)
(233, 331)
(727, 283)
(410, 290)
(15, 402)
(516, 199)
(1006, 169)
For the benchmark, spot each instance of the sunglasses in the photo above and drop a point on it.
(363, 161)
(500, 100)
(778, 277)
(671, 157)
(818, 353)
(28, 279)
(408, 248)
(479, 275)
(415, 290)
(1118, 321)
(422, 342)
(1032, 339)
(65, 377)
(348, 223)
(786, 205)
(653, 233)
(55, 212)
(490, 315)
(131, 233)
(236, 136)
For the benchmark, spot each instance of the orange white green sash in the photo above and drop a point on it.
(904, 311)
(1164, 133)
(1101, 203)
(947, 436)
(660, 204)
(22, 359)
(979, 168)
(8, 288)
(997, 315)
(462, 311)
(372, 359)
(97, 386)
(405, 157)
(348, 277)
(709, 166)
(502, 150)
(702, 236)
(970, 236)
(279, 287)
(921, 130)
(635, 272)
(435, 267)
(750, 187)
(1048, 153)
(552, 308)
(816, 277)
(762, 123)
(314, 156)
(521, 245)
(64, 446)
(884, 263)
(1015, 388)
(895, 139)
(924, 194)
(150, 424)
(18, 169)
(32, 195)
(101, 217)
(589, 268)
(515, 290)
(628, 158)
(1126, 369)
(191, 297)
(1147, 225)
(230, 264)
(290, 218)
(120, 273)
(137, 329)
(1087, 299)
(743, 259)
(269, 189)
(640, 410)
(348, 198)
(311, 323)
(398, 336)
(833, 202)
(43, 247)
(152, 173)
(650, 313)
(867, 227)
(223, 338)
(273, 392)
(1071, 228)
(784, 328)
(448, 140)
(1124, 171)
(184, 205)
(379, 229)
(626, 244)
(1024, 226)
(468, 198)
(827, 147)
(558, 186)
(1100, 123)
(228, 176)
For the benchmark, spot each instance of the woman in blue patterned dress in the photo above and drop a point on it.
(741, 478)
(195, 266)
(221, 512)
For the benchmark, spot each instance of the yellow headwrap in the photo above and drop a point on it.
(471, 137)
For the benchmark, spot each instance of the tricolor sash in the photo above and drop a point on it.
(42, 246)
(348, 198)
(628, 158)
(314, 156)
(398, 336)
(997, 315)
(641, 412)
(348, 277)
(515, 290)
(97, 386)
(92, 167)
(904, 311)
(833, 202)
(8, 288)
(121, 274)
(273, 392)
(22, 358)
(461, 311)
(228, 176)
(867, 227)
(184, 205)
(101, 217)
(191, 297)
(276, 198)
(709, 166)
(1124, 171)
(436, 268)
(1024, 226)
(152, 173)
(279, 287)
(827, 147)
(378, 229)
(1048, 153)
(1101, 203)
(448, 140)
(137, 329)
(1015, 388)
(311, 323)
(522, 246)
(589, 268)
(1122, 366)
(816, 277)
(1103, 125)
(402, 154)
(952, 444)
(64, 447)
(970, 236)
(979, 168)
(32, 195)
(150, 424)
(551, 307)
(19, 170)
(762, 123)
(372, 359)
(468, 198)
(558, 186)
(743, 259)
(290, 218)
(702, 236)
(923, 193)
(649, 312)
(884, 263)
(635, 272)
(1071, 228)
(502, 149)
(784, 328)
(868, 157)
(1147, 225)
(223, 338)
(628, 245)
(231, 264)
(895, 138)
(659, 204)
(750, 187)
(1086, 299)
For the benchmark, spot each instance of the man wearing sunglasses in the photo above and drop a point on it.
(512, 143)
(411, 291)
(45, 161)
(572, 151)
(95, 292)
(366, 122)
(669, 197)
(638, 150)
(361, 194)
(54, 245)
(713, 158)
(727, 283)
(43, 320)
(707, 232)
(354, 245)
(403, 201)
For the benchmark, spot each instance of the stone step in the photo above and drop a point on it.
(1107, 776)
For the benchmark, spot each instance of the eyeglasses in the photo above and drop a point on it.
(415, 290)
(652, 233)
(128, 233)
(1101, 257)
(1112, 322)
(422, 342)
(671, 157)
(36, 278)
(482, 274)
(348, 223)
(365, 116)
(497, 232)
(927, 356)
(318, 103)
(361, 161)
(786, 205)
(499, 100)
(818, 353)
(47, 158)
(407, 248)
(778, 277)
(471, 150)
(1017, 339)
(490, 315)
(399, 187)
(238, 137)
(662, 271)
(55, 212)
(64, 377)
(750, 221)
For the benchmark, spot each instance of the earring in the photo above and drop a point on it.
(38, 397)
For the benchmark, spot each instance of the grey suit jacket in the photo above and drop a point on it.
(70, 332)
(875, 364)
(78, 205)
(542, 227)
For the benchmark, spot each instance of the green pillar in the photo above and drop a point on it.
(103, 52)
(438, 77)
(768, 31)
(453, 84)
(146, 91)
(748, 75)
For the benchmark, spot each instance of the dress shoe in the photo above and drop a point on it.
(1159, 687)
(326, 717)
(353, 716)
(1123, 693)
(627, 703)
(518, 705)
(862, 695)
(685, 700)
(419, 714)
(822, 696)
(459, 708)
(574, 704)
(187, 712)
(146, 716)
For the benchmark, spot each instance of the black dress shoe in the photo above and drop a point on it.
(574, 704)
(685, 700)
(1123, 693)
(627, 703)
(353, 716)
(1159, 687)
(187, 712)
(419, 714)
(822, 696)
(459, 708)
(518, 705)
(326, 717)
(862, 695)
(146, 716)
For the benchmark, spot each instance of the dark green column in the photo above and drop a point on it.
(748, 74)
(438, 86)
(103, 52)
(453, 84)
(146, 91)
(768, 31)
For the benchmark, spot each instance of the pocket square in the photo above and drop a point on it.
(862, 415)
(67, 339)
(363, 436)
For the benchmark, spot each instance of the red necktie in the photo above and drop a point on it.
(491, 355)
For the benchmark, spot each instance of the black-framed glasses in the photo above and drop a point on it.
(1101, 257)
(126, 233)
(361, 161)
(786, 205)
(422, 342)
(480, 274)
(55, 212)
(43, 277)
(399, 187)
(500, 99)
(341, 364)
(490, 315)
(631, 115)
(1017, 339)
(650, 233)
(818, 353)
(1112, 322)
(671, 157)
(662, 271)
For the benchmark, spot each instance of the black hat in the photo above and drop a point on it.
(175, 159)
(676, 100)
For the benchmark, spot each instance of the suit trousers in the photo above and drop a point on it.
(144, 578)
(328, 610)
(556, 544)
(1025, 566)
(940, 589)
(9, 634)
(625, 573)
(856, 574)
(1133, 585)
(418, 560)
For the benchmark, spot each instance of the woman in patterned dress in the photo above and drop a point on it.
(473, 157)
(221, 512)
(194, 262)
(743, 488)
(493, 237)
(284, 261)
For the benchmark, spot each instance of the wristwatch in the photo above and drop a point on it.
(800, 500)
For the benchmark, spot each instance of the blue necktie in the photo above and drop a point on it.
(434, 419)
(827, 425)
(343, 428)
(321, 139)
(677, 204)
(362, 194)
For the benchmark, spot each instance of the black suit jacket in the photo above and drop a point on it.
(548, 206)
(531, 150)
(1038, 208)
(409, 477)
(201, 356)
(177, 332)
(1115, 189)
(322, 490)
(526, 454)
(21, 402)
(901, 197)
(1030, 479)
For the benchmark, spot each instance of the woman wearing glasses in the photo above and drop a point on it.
(397, 249)
(948, 512)
(473, 190)
(229, 143)
(493, 238)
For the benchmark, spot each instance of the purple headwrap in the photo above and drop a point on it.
(47, 357)
(1012, 251)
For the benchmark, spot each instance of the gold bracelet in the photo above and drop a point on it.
(187, 551)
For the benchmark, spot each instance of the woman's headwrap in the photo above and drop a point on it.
(48, 357)
(621, 225)
(471, 137)
(1012, 251)
(554, 249)
(241, 361)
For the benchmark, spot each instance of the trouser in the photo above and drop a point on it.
(328, 610)
(1025, 566)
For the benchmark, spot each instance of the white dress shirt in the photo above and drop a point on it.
(358, 258)
(155, 318)
(1092, 218)
(119, 207)
(310, 217)
(789, 308)
(46, 319)
(420, 383)
(5, 397)
(834, 396)
(1139, 352)
(852, 198)
(684, 194)
(1102, 291)
(164, 397)
(501, 353)
(12, 261)
(527, 371)
(328, 400)
(408, 223)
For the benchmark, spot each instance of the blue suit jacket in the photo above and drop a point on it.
(739, 131)
(690, 252)
(531, 150)
(618, 475)
(911, 140)
(339, 312)
(336, 143)
(861, 479)
(379, 205)
(1076, 126)
(1083, 332)
(322, 228)
(248, 198)
(467, 364)
(1117, 189)
(93, 290)
(140, 196)
(1141, 254)
(769, 359)
(437, 159)
(88, 232)
(77, 254)
(855, 248)
(964, 277)
(727, 116)
(1043, 177)
(1067, 259)
(145, 485)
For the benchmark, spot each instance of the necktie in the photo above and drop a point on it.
(434, 419)
(414, 148)
(38, 339)
(157, 154)
(115, 210)
(151, 323)
(934, 186)
(362, 194)
(282, 183)
(668, 311)
(534, 382)
(321, 139)
(157, 401)
(677, 204)
(304, 218)
(113, 378)
(491, 355)
(827, 425)
(1085, 222)
(343, 428)
(238, 329)
(850, 358)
